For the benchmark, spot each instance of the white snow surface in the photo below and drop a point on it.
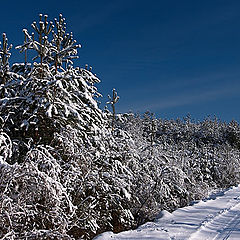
(215, 218)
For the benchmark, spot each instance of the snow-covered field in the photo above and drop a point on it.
(215, 218)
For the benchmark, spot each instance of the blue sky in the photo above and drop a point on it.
(170, 57)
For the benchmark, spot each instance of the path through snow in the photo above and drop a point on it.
(217, 218)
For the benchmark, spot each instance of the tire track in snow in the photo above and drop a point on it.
(220, 226)
(216, 218)
(231, 227)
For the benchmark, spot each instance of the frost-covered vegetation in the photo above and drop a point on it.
(69, 170)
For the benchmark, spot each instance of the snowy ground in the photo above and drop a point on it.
(216, 218)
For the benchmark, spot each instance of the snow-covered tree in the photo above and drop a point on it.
(4, 63)
(46, 101)
(112, 101)
(38, 41)
(63, 47)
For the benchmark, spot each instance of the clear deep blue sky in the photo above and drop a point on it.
(170, 57)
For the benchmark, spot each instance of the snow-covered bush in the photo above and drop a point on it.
(33, 201)
(185, 161)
